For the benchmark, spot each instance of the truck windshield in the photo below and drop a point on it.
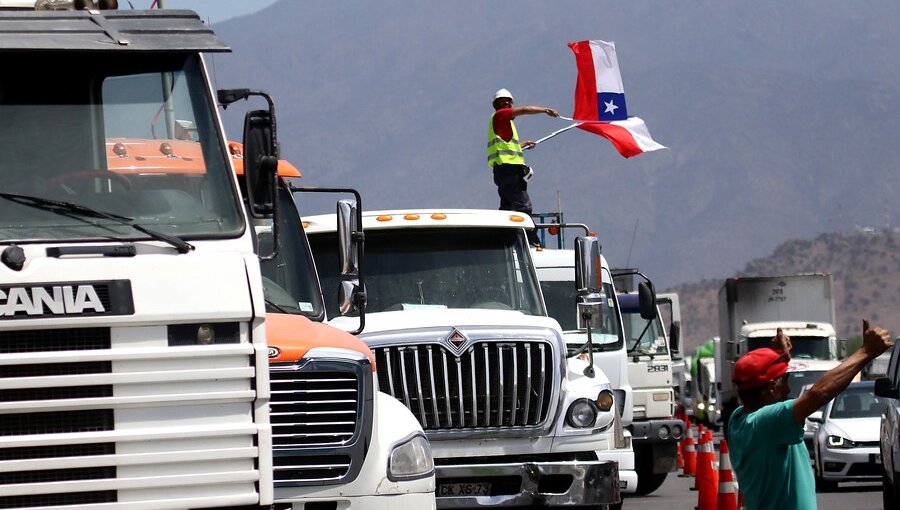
(802, 347)
(133, 136)
(437, 268)
(560, 298)
(797, 380)
(641, 338)
(289, 280)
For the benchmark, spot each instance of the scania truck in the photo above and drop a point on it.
(133, 357)
(461, 336)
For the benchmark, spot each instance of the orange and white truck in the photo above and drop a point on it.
(337, 440)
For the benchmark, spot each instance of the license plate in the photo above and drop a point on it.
(875, 458)
(464, 489)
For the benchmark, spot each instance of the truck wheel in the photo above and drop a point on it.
(888, 491)
(649, 482)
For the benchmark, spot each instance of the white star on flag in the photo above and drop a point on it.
(610, 107)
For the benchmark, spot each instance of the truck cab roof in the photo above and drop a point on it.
(789, 328)
(107, 31)
(426, 218)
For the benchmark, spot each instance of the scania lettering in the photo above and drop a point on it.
(461, 337)
(133, 357)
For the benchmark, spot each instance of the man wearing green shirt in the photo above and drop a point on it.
(765, 435)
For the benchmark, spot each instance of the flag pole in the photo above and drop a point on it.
(558, 131)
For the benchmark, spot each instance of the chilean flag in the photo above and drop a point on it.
(600, 100)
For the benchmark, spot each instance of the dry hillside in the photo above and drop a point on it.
(866, 269)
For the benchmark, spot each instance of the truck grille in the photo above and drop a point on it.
(60, 422)
(490, 385)
(319, 410)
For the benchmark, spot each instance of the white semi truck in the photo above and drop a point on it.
(556, 272)
(751, 309)
(655, 430)
(455, 316)
(133, 357)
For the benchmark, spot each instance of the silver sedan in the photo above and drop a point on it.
(846, 444)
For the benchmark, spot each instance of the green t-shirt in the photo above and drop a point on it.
(770, 460)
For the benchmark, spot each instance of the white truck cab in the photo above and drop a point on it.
(455, 316)
(132, 339)
(556, 272)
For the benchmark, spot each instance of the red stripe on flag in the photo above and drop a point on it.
(586, 85)
(620, 137)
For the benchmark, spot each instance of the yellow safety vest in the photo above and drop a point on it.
(501, 152)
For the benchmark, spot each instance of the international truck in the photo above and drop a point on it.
(751, 309)
(556, 272)
(655, 430)
(461, 336)
(337, 440)
(133, 356)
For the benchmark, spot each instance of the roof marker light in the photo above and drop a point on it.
(384, 217)
(410, 216)
(166, 149)
(119, 150)
(305, 225)
(439, 216)
(516, 218)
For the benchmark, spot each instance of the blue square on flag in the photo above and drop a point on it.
(611, 106)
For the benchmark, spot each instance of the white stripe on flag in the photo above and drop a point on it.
(606, 67)
(638, 129)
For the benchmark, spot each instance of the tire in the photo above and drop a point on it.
(888, 492)
(823, 485)
(649, 482)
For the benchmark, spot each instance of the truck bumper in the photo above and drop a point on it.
(383, 502)
(565, 483)
(662, 447)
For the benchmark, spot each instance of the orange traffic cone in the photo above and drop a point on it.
(680, 458)
(727, 489)
(708, 491)
(702, 468)
(690, 457)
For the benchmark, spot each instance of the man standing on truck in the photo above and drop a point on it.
(505, 155)
(766, 433)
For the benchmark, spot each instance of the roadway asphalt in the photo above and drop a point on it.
(676, 494)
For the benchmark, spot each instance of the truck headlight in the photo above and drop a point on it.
(605, 400)
(411, 460)
(581, 414)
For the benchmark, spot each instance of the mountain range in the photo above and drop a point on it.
(781, 118)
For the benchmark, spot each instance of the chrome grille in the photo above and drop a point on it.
(317, 411)
(489, 385)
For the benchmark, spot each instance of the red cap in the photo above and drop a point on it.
(759, 367)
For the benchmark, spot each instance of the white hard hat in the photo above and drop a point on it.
(502, 93)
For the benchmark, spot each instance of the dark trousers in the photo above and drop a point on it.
(513, 191)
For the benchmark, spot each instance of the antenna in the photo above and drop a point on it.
(633, 233)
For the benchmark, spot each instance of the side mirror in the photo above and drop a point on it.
(347, 229)
(675, 337)
(260, 163)
(587, 264)
(816, 417)
(884, 388)
(590, 314)
(647, 300)
(349, 298)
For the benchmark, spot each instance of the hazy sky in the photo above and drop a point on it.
(212, 10)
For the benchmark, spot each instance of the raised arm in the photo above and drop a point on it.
(875, 342)
(533, 110)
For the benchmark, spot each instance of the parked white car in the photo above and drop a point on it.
(846, 445)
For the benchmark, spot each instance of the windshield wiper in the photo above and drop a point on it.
(68, 208)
